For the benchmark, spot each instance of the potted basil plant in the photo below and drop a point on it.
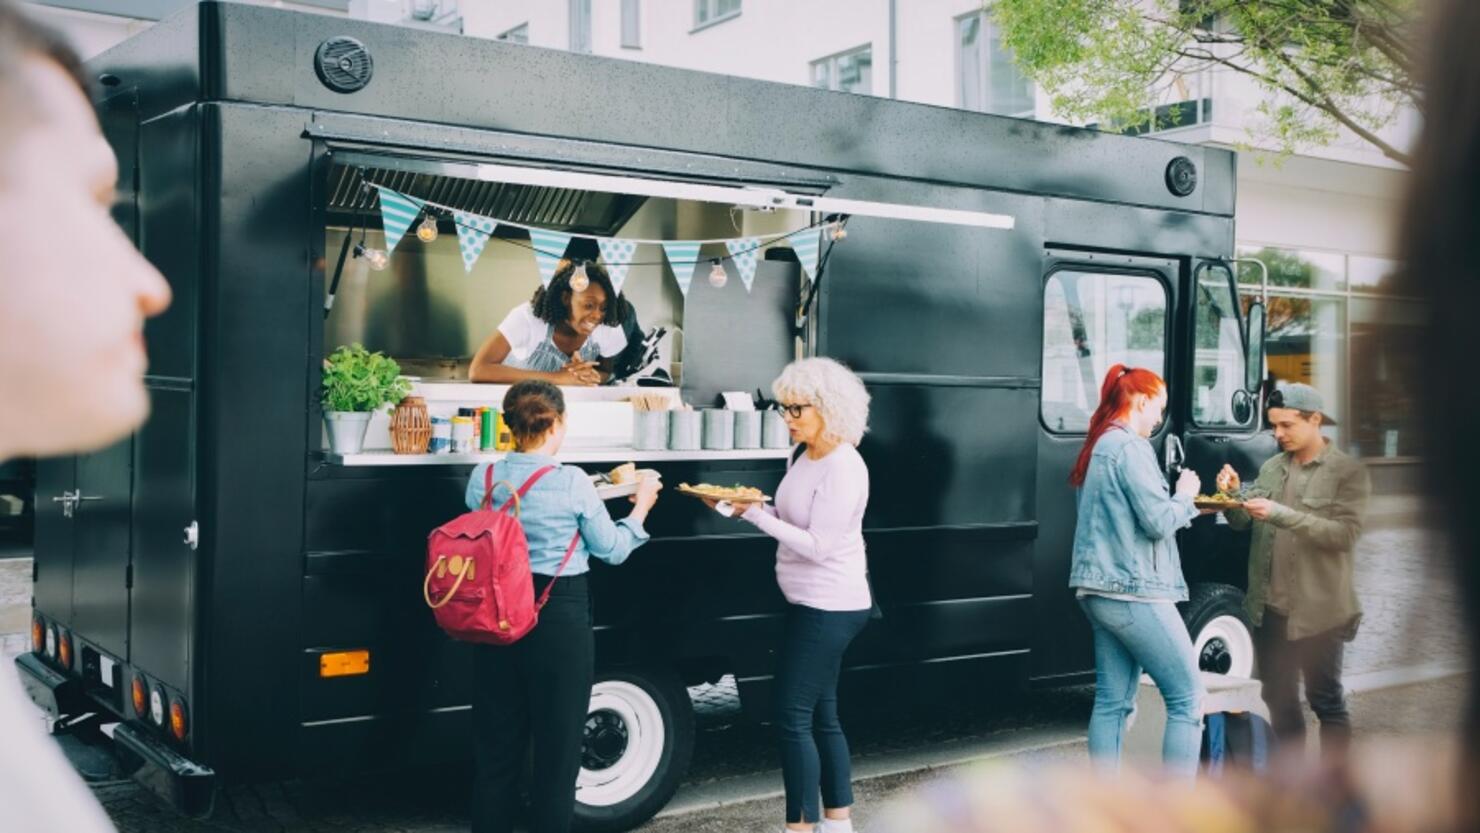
(357, 383)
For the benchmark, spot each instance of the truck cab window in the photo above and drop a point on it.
(1218, 354)
(1090, 322)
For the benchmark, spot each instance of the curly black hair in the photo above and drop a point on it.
(552, 304)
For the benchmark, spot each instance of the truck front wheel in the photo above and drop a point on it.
(639, 736)
(1220, 629)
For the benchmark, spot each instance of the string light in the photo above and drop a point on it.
(376, 259)
(427, 231)
(579, 280)
(718, 277)
(839, 234)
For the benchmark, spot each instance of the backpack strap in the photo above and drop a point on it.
(488, 485)
(569, 551)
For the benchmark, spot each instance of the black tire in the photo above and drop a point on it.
(1220, 630)
(640, 775)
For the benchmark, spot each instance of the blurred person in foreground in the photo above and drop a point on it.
(1392, 785)
(1306, 508)
(71, 343)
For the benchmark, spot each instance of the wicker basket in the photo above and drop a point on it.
(411, 427)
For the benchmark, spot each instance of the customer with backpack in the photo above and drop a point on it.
(536, 690)
(1128, 577)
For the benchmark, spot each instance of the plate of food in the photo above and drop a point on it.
(1218, 501)
(738, 492)
(621, 481)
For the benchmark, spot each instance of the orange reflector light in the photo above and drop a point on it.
(38, 635)
(64, 650)
(141, 698)
(344, 663)
(177, 719)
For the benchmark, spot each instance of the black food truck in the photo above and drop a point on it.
(239, 602)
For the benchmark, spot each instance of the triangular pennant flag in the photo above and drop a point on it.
(683, 256)
(473, 232)
(807, 243)
(618, 254)
(396, 215)
(744, 253)
(549, 248)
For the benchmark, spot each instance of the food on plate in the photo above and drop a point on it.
(1217, 501)
(748, 494)
(625, 473)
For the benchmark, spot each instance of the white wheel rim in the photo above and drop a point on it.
(1235, 638)
(646, 734)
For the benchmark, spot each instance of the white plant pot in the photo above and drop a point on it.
(347, 430)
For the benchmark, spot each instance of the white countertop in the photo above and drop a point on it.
(573, 455)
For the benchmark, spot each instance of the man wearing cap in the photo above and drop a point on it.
(1306, 509)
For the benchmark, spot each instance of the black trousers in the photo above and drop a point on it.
(537, 692)
(1282, 664)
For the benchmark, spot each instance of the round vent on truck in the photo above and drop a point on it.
(344, 64)
(1181, 176)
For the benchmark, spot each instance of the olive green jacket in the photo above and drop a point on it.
(1326, 520)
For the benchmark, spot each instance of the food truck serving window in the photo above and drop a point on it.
(1090, 322)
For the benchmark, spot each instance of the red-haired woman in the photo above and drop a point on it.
(1127, 574)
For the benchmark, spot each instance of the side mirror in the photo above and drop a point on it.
(1254, 348)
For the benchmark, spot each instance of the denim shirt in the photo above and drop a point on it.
(1125, 540)
(560, 503)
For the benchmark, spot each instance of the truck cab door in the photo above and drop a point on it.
(1220, 405)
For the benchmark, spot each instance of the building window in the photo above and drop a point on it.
(518, 34)
(580, 25)
(986, 78)
(631, 24)
(709, 12)
(1090, 322)
(849, 72)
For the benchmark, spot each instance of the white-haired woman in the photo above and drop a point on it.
(818, 522)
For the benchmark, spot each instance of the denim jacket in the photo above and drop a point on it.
(560, 503)
(1125, 539)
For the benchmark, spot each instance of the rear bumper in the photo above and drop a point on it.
(48, 688)
(188, 786)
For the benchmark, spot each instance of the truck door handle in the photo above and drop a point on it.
(68, 500)
(192, 534)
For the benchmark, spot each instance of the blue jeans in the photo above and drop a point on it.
(814, 752)
(1130, 637)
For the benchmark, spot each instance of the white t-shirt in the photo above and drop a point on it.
(39, 789)
(525, 331)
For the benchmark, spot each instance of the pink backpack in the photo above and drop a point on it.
(478, 571)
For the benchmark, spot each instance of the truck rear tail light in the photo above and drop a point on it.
(64, 649)
(178, 726)
(156, 706)
(344, 663)
(38, 634)
(140, 693)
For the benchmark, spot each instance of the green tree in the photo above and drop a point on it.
(1323, 64)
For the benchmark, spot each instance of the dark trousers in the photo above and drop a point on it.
(535, 691)
(1282, 664)
(814, 752)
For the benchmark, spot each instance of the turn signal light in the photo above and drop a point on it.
(177, 719)
(140, 693)
(64, 649)
(38, 634)
(344, 663)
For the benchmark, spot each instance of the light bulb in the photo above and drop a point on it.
(718, 277)
(839, 233)
(427, 231)
(579, 281)
(376, 259)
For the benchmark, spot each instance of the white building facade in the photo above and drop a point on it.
(1322, 220)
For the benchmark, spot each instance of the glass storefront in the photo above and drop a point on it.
(1334, 324)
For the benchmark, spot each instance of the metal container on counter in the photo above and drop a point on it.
(650, 430)
(775, 432)
(719, 429)
(684, 430)
(747, 429)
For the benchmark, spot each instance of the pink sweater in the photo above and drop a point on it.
(818, 520)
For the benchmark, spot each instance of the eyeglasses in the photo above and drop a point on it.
(794, 411)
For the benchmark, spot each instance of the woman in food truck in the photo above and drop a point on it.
(568, 333)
